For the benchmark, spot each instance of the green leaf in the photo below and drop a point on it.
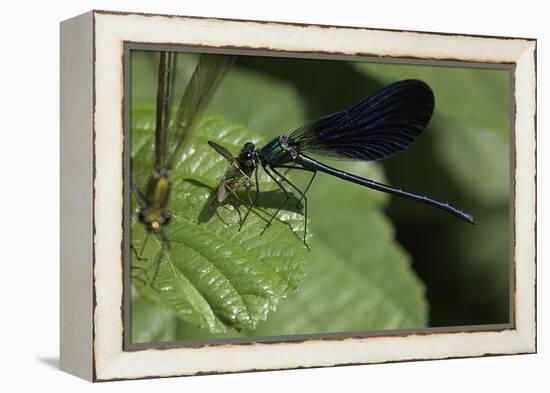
(359, 279)
(464, 157)
(150, 323)
(213, 275)
(480, 166)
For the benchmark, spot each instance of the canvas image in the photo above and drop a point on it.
(275, 197)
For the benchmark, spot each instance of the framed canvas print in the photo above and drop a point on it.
(244, 195)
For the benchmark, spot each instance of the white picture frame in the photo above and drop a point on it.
(92, 194)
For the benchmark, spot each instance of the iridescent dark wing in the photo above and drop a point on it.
(376, 128)
(204, 81)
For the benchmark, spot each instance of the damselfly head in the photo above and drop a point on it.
(247, 152)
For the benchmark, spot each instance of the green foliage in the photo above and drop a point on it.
(218, 282)
(225, 280)
(466, 153)
(213, 275)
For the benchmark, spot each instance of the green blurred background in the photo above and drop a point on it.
(459, 274)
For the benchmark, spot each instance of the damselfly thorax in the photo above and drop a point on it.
(153, 213)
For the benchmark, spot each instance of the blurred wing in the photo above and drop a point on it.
(376, 128)
(222, 150)
(221, 194)
(204, 81)
(164, 93)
